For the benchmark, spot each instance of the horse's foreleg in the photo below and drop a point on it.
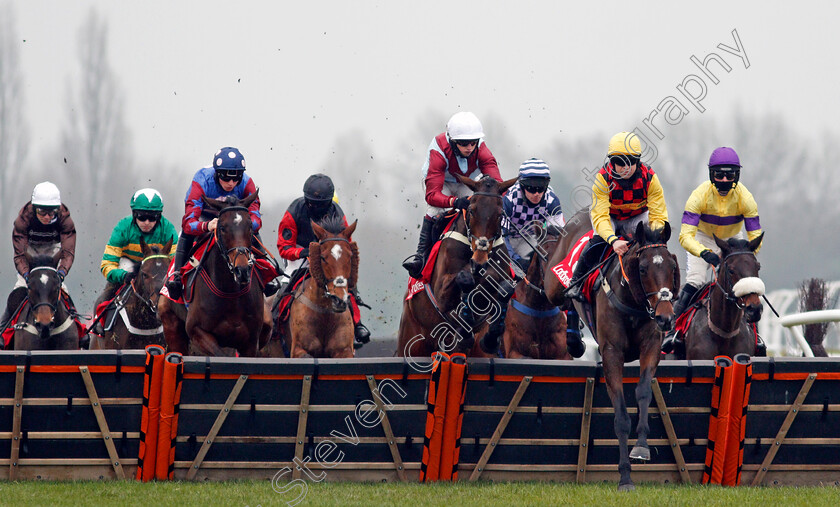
(648, 361)
(205, 343)
(614, 374)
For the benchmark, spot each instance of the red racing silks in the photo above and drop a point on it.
(435, 413)
(170, 397)
(151, 413)
(713, 471)
(455, 393)
(739, 400)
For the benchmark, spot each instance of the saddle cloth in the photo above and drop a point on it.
(9, 333)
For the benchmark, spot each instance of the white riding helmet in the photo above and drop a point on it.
(464, 126)
(46, 194)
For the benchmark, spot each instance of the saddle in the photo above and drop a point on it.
(443, 225)
(107, 311)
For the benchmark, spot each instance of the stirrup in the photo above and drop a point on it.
(574, 291)
(361, 334)
(414, 264)
(175, 287)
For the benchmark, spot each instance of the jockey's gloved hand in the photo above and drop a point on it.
(461, 203)
(304, 253)
(62, 274)
(129, 276)
(710, 257)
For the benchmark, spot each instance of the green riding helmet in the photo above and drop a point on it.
(147, 199)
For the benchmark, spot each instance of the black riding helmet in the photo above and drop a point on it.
(318, 192)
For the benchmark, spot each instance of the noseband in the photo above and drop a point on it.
(482, 244)
(338, 281)
(240, 250)
(662, 294)
(722, 273)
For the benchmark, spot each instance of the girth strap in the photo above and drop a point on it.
(537, 314)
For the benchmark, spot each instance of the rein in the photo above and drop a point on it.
(482, 244)
(52, 307)
(662, 295)
(240, 250)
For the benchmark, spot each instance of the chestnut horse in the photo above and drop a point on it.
(45, 322)
(226, 309)
(320, 323)
(535, 328)
(719, 326)
(630, 314)
(470, 284)
(137, 323)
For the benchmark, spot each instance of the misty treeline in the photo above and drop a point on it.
(97, 169)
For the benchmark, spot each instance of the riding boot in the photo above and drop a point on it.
(361, 335)
(760, 347)
(13, 302)
(574, 342)
(272, 286)
(414, 264)
(673, 342)
(174, 285)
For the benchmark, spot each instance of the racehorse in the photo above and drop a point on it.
(629, 317)
(226, 309)
(469, 286)
(320, 323)
(722, 323)
(535, 328)
(45, 323)
(137, 323)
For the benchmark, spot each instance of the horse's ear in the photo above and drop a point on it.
(212, 203)
(144, 248)
(503, 186)
(665, 235)
(721, 243)
(472, 185)
(754, 244)
(319, 231)
(348, 232)
(167, 248)
(639, 235)
(251, 198)
(676, 273)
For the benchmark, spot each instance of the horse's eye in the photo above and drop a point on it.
(731, 271)
(643, 270)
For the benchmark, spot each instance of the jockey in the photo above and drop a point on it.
(717, 207)
(44, 220)
(224, 177)
(530, 199)
(145, 222)
(625, 192)
(459, 150)
(295, 234)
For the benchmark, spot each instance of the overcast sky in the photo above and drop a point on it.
(282, 80)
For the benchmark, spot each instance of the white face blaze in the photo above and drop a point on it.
(335, 251)
(657, 259)
(237, 219)
(44, 279)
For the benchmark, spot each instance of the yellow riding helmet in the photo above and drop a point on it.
(625, 143)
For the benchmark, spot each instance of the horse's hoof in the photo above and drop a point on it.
(640, 453)
(626, 487)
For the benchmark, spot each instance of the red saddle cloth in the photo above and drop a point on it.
(264, 269)
(9, 333)
(684, 320)
(284, 306)
(566, 268)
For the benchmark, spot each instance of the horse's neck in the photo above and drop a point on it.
(216, 267)
(313, 290)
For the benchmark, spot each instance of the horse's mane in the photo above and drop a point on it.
(41, 260)
(332, 224)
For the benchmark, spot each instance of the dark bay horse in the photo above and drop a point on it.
(630, 314)
(535, 328)
(720, 325)
(320, 323)
(137, 323)
(470, 284)
(226, 309)
(45, 323)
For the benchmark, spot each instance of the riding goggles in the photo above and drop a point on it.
(147, 217)
(724, 175)
(534, 189)
(623, 161)
(229, 175)
(466, 142)
(44, 212)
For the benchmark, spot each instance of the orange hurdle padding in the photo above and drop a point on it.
(455, 392)
(170, 397)
(714, 461)
(435, 414)
(151, 413)
(739, 400)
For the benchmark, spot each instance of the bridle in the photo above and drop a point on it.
(339, 281)
(239, 250)
(147, 301)
(729, 293)
(52, 307)
(482, 244)
(662, 294)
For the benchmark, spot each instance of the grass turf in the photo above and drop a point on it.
(253, 493)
